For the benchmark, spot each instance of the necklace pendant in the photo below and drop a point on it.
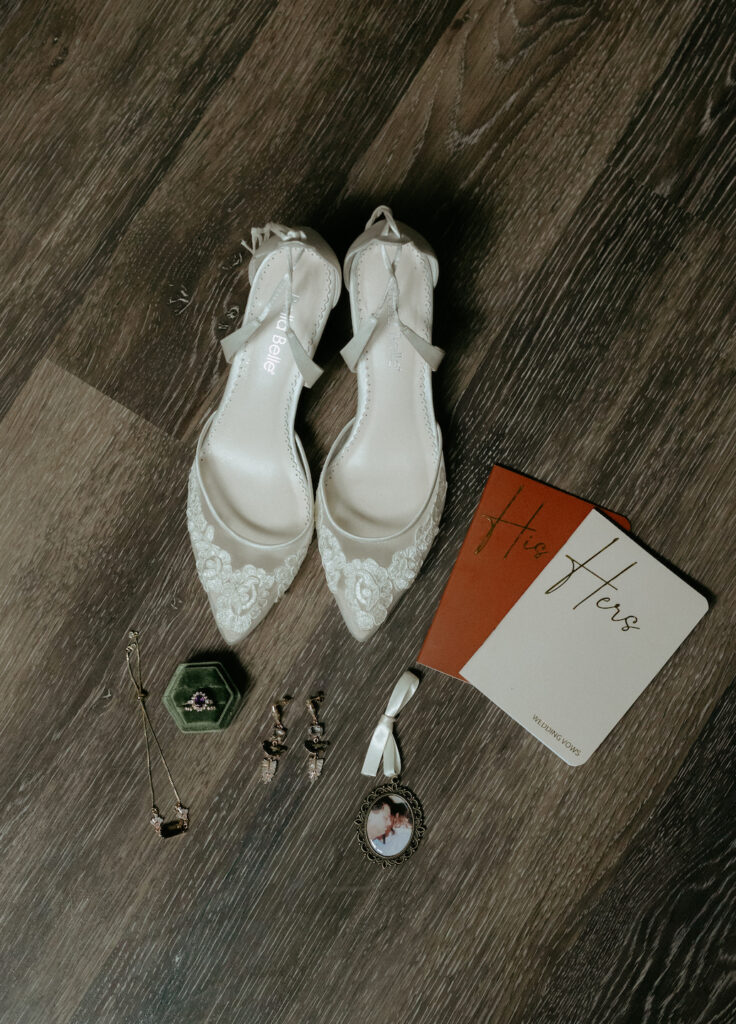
(390, 823)
(166, 829)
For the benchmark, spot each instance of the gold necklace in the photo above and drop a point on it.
(181, 822)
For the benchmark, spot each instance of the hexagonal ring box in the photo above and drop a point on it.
(201, 697)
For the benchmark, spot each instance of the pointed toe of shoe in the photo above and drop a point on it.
(231, 638)
(360, 625)
(240, 598)
(361, 635)
(369, 576)
(230, 633)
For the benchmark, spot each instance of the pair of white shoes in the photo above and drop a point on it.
(251, 511)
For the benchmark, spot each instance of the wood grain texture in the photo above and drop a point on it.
(275, 143)
(683, 139)
(98, 101)
(669, 905)
(559, 159)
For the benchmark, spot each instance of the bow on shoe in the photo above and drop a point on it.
(354, 349)
(233, 343)
(383, 745)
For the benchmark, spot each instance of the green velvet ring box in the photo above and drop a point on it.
(201, 697)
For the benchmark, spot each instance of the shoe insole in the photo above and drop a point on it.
(383, 475)
(250, 465)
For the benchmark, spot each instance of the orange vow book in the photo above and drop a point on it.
(518, 527)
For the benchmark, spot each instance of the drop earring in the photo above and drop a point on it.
(316, 744)
(274, 747)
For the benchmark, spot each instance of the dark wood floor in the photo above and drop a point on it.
(573, 166)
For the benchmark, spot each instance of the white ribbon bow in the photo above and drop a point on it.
(383, 744)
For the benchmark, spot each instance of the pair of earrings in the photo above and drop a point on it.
(315, 744)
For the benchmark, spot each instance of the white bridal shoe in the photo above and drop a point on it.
(382, 489)
(250, 509)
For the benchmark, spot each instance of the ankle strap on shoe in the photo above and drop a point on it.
(381, 227)
(354, 349)
(233, 343)
(390, 227)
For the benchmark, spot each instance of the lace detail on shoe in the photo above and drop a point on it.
(240, 597)
(371, 589)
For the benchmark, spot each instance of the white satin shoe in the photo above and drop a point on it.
(382, 489)
(250, 508)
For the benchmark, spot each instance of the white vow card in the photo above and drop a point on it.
(585, 639)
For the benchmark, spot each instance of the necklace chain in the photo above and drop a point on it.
(181, 824)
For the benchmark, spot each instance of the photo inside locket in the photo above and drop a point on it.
(389, 825)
